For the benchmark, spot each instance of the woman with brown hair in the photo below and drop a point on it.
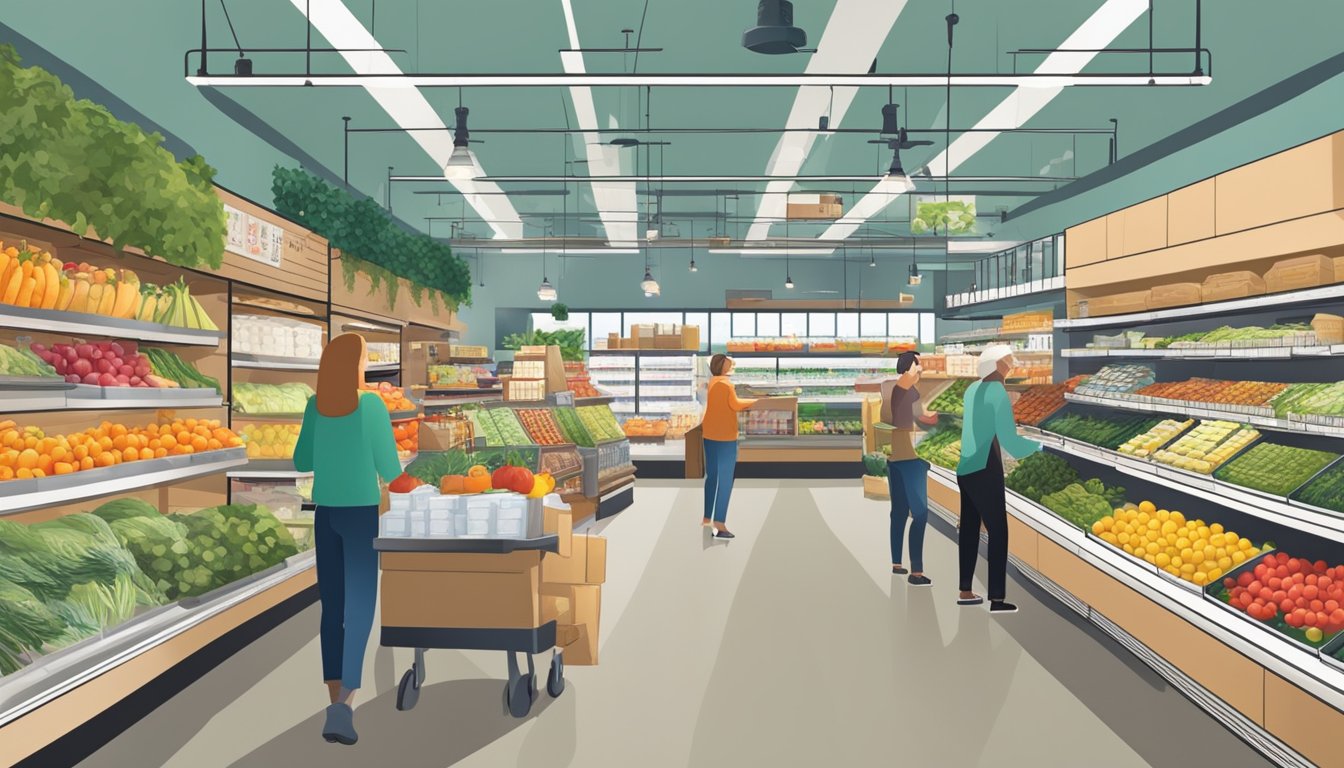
(719, 427)
(346, 442)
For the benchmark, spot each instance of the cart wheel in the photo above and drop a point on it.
(408, 691)
(555, 681)
(519, 695)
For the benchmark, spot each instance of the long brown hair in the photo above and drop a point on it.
(340, 375)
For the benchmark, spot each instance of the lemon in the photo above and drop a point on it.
(1215, 574)
(1163, 515)
(1182, 542)
(1203, 530)
(1210, 553)
(1197, 556)
(1225, 562)
(1163, 559)
(1187, 554)
(1187, 569)
(1105, 523)
(1200, 579)
(1238, 557)
(1110, 538)
(1147, 506)
(1314, 634)
(1152, 548)
(1150, 559)
(1097, 528)
(1177, 561)
(1216, 528)
(1123, 537)
(1244, 544)
(1143, 518)
(1154, 524)
(1178, 518)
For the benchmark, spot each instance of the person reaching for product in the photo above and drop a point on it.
(346, 442)
(719, 427)
(987, 426)
(907, 474)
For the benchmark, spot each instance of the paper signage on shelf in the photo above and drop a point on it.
(253, 238)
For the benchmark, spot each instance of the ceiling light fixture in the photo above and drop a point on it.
(774, 32)
(649, 285)
(546, 291)
(461, 164)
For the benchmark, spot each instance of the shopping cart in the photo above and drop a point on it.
(521, 689)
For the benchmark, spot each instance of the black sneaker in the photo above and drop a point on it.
(898, 569)
(725, 535)
(1002, 606)
(920, 581)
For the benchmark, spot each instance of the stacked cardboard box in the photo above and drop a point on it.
(576, 581)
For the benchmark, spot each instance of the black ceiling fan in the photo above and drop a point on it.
(897, 138)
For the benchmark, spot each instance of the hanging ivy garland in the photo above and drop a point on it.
(70, 160)
(369, 241)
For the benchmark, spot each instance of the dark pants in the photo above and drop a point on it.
(720, 464)
(347, 584)
(982, 501)
(909, 484)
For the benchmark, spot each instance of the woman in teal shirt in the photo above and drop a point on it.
(346, 442)
(987, 425)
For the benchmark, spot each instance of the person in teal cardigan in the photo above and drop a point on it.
(346, 442)
(987, 426)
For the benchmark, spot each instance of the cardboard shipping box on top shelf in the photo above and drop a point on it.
(1300, 272)
(1232, 285)
(1175, 295)
(1118, 304)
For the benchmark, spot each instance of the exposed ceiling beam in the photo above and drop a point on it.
(1097, 32)
(850, 43)
(609, 197)
(706, 80)
(406, 106)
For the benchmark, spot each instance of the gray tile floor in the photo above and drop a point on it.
(793, 645)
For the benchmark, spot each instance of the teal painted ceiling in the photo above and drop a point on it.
(134, 50)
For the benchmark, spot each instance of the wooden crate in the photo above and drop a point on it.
(1300, 272)
(1232, 285)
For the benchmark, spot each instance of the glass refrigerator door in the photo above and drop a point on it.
(666, 383)
(615, 375)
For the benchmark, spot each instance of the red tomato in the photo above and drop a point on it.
(1253, 610)
(1332, 605)
(1294, 592)
(1294, 619)
(1245, 579)
(1337, 616)
(1317, 605)
(1256, 586)
(1261, 571)
(1286, 605)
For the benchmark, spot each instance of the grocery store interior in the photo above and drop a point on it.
(545, 219)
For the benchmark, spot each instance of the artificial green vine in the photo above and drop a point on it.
(360, 228)
(417, 294)
(70, 160)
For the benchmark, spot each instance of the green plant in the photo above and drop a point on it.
(363, 231)
(570, 342)
(69, 159)
(955, 217)
(560, 312)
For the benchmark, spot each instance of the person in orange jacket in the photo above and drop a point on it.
(719, 427)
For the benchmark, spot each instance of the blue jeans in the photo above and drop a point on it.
(909, 484)
(720, 462)
(347, 584)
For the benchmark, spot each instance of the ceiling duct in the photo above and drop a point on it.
(774, 32)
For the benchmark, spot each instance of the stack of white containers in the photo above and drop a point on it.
(276, 336)
(424, 513)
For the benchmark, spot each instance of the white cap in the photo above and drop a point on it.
(989, 359)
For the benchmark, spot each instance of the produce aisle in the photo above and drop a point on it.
(792, 645)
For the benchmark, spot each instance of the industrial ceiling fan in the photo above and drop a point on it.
(897, 139)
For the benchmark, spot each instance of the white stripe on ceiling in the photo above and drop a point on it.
(408, 108)
(616, 201)
(852, 39)
(1099, 31)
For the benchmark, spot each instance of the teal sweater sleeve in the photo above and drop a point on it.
(1005, 429)
(303, 449)
(378, 431)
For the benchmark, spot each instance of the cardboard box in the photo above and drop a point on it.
(586, 564)
(579, 639)
(561, 523)
(830, 200)
(876, 487)
(1118, 304)
(1329, 328)
(557, 608)
(450, 599)
(460, 562)
(1175, 295)
(667, 342)
(815, 211)
(1300, 272)
(690, 337)
(613, 341)
(580, 648)
(1232, 285)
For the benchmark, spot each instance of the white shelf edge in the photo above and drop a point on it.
(1229, 353)
(1262, 422)
(1321, 293)
(151, 633)
(273, 366)
(46, 498)
(52, 321)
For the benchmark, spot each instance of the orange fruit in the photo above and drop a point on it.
(62, 468)
(6, 473)
(117, 430)
(119, 442)
(159, 453)
(199, 443)
(146, 454)
(39, 473)
(130, 454)
(86, 463)
(168, 441)
(24, 473)
(28, 459)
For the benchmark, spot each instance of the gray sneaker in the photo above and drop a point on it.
(340, 726)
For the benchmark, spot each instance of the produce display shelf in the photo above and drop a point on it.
(1212, 309)
(57, 674)
(282, 469)
(21, 495)
(23, 383)
(599, 400)
(1176, 407)
(80, 324)
(1278, 654)
(991, 334)
(850, 398)
(272, 362)
(1210, 353)
(1277, 510)
(382, 367)
(449, 400)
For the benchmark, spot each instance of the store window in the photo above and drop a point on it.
(846, 325)
(927, 334)
(821, 325)
(793, 324)
(744, 324)
(720, 330)
(543, 321)
(652, 318)
(873, 324)
(767, 324)
(903, 324)
(604, 324)
(700, 320)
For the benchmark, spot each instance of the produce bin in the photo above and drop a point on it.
(1218, 594)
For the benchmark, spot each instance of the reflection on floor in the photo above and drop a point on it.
(791, 646)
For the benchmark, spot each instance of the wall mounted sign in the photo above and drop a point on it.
(253, 238)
